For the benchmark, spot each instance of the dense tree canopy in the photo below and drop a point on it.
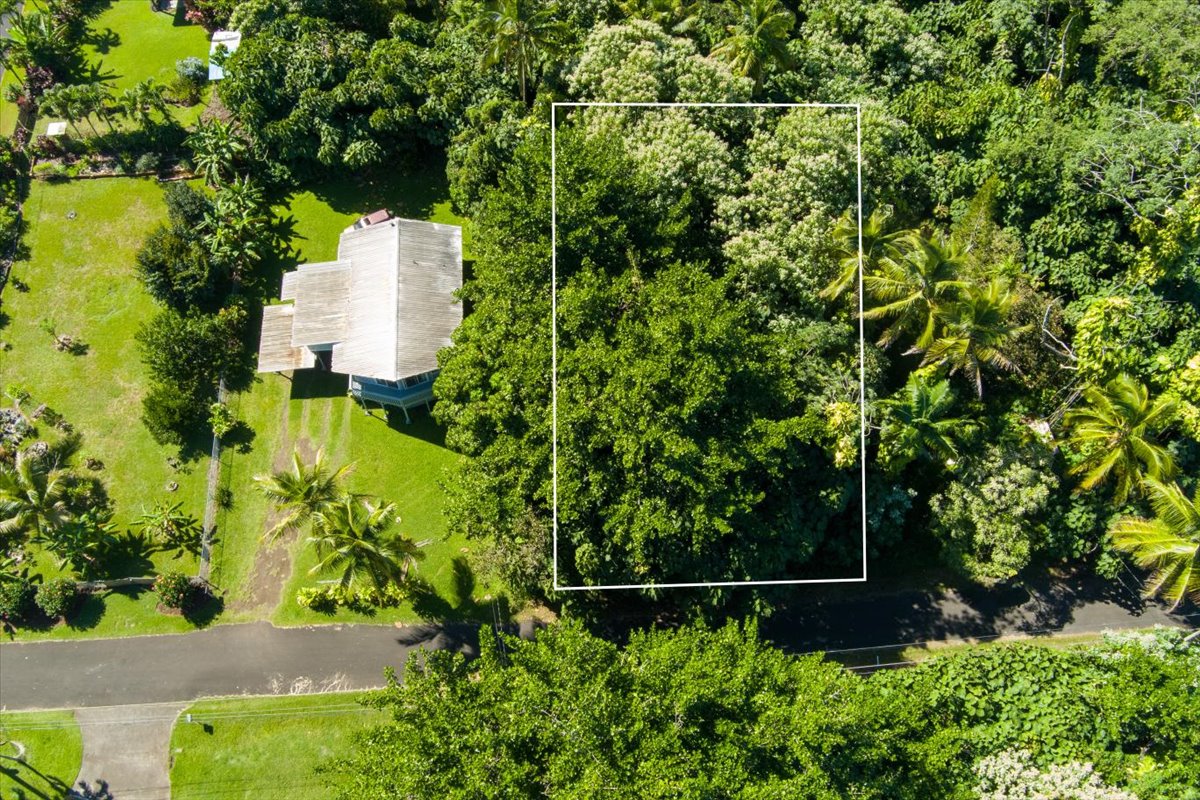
(689, 713)
(1031, 228)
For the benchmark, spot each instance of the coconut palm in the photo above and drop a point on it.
(876, 244)
(1115, 432)
(757, 39)
(217, 149)
(916, 424)
(302, 492)
(518, 32)
(1168, 544)
(975, 332)
(352, 536)
(915, 278)
(32, 497)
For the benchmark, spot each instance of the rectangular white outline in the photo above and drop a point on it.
(862, 382)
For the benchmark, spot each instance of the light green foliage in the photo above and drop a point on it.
(638, 62)
(1169, 544)
(993, 515)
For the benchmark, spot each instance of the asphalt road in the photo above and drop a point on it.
(253, 658)
(257, 658)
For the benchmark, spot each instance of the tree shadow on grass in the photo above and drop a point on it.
(203, 609)
(412, 193)
(53, 788)
(102, 40)
(461, 603)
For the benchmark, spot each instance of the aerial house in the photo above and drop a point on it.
(378, 314)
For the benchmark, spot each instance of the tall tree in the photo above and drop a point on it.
(1168, 544)
(303, 491)
(877, 243)
(976, 331)
(1114, 432)
(910, 288)
(917, 424)
(518, 33)
(757, 39)
(353, 535)
(32, 497)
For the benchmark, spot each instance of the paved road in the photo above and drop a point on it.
(257, 658)
(253, 658)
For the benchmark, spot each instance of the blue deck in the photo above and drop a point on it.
(406, 394)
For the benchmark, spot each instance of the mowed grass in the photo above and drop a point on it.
(82, 240)
(51, 751)
(399, 462)
(130, 43)
(264, 747)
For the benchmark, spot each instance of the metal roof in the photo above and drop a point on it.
(386, 305)
(275, 350)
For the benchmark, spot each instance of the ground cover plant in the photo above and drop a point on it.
(40, 753)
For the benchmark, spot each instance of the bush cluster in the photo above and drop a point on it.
(56, 597)
(328, 599)
(16, 599)
(174, 589)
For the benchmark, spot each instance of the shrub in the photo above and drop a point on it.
(147, 162)
(169, 413)
(52, 171)
(192, 70)
(327, 599)
(56, 597)
(221, 419)
(13, 427)
(16, 599)
(174, 589)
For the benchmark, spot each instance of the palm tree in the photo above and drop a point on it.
(1169, 543)
(916, 277)
(141, 101)
(876, 244)
(518, 31)
(676, 16)
(916, 424)
(1115, 432)
(32, 497)
(975, 333)
(217, 148)
(757, 39)
(303, 492)
(351, 535)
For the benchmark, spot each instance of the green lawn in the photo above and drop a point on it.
(51, 751)
(82, 239)
(130, 43)
(263, 747)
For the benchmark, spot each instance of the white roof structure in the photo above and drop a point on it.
(384, 308)
(230, 40)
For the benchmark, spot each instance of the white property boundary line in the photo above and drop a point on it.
(862, 405)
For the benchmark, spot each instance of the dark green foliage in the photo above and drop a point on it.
(56, 597)
(186, 355)
(175, 263)
(689, 713)
(174, 589)
(16, 599)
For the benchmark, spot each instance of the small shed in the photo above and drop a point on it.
(226, 41)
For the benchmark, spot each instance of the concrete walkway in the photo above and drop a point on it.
(128, 749)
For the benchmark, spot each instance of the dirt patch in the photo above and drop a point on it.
(273, 560)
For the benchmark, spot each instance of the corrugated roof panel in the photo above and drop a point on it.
(275, 350)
